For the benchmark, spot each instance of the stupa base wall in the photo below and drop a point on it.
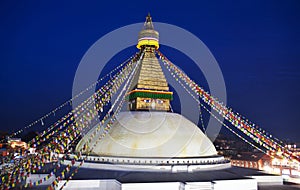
(152, 164)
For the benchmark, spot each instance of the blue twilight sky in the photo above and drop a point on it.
(256, 43)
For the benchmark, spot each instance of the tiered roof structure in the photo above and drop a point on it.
(149, 89)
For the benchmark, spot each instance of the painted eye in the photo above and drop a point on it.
(147, 101)
(160, 101)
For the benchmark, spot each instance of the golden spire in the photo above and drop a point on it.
(150, 89)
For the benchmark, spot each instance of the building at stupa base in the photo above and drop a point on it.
(233, 178)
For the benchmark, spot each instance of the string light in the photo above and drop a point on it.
(258, 135)
(67, 129)
(111, 119)
(202, 105)
(68, 102)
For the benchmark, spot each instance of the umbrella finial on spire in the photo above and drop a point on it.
(148, 36)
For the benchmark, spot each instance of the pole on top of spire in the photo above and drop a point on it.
(148, 36)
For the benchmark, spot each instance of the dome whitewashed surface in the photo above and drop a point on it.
(152, 134)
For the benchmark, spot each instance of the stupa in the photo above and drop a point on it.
(149, 136)
(150, 147)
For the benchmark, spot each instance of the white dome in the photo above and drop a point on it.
(152, 134)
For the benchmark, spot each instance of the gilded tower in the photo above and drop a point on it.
(150, 89)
